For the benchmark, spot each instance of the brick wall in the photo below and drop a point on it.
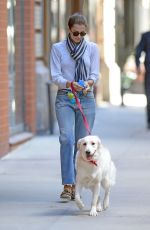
(29, 66)
(4, 123)
(25, 63)
(25, 79)
(19, 62)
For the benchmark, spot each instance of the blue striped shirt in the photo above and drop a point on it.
(62, 65)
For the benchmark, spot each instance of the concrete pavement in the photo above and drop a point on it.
(30, 181)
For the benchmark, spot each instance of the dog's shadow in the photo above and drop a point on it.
(62, 208)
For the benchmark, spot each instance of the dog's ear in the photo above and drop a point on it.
(79, 143)
(98, 141)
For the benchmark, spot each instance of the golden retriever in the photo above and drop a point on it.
(94, 169)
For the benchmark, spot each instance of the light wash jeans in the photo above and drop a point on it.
(72, 128)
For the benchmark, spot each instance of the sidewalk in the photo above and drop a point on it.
(30, 180)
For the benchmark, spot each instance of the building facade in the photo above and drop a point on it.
(4, 94)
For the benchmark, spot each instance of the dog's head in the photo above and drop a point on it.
(89, 147)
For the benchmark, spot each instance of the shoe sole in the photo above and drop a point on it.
(65, 197)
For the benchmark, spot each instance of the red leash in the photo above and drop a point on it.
(93, 162)
(81, 110)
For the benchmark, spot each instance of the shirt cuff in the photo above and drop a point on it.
(93, 78)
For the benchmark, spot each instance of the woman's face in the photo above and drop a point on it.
(77, 32)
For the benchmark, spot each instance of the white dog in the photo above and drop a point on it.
(94, 168)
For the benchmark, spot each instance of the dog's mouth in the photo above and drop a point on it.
(89, 157)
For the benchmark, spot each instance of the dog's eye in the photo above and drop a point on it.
(84, 144)
(93, 143)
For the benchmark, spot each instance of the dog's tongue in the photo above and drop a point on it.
(89, 158)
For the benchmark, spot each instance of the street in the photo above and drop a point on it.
(30, 182)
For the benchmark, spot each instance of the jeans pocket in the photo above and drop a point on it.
(61, 100)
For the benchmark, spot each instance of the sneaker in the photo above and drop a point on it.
(73, 192)
(67, 193)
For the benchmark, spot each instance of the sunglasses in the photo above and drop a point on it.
(76, 33)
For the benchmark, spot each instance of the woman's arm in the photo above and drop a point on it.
(55, 67)
(95, 65)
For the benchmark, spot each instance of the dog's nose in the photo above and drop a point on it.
(87, 152)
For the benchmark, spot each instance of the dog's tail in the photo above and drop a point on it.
(113, 174)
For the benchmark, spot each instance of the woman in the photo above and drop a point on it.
(73, 60)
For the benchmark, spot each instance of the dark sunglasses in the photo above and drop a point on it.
(76, 33)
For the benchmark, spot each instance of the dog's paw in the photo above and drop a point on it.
(105, 206)
(99, 208)
(106, 203)
(80, 204)
(93, 212)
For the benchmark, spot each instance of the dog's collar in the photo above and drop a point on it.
(93, 162)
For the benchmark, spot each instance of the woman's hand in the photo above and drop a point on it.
(88, 85)
(77, 87)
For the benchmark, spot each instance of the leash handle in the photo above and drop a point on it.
(81, 110)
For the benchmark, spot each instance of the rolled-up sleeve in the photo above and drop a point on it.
(55, 67)
(95, 63)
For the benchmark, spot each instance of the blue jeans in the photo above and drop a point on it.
(72, 128)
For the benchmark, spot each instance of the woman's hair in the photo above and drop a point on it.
(77, 18)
